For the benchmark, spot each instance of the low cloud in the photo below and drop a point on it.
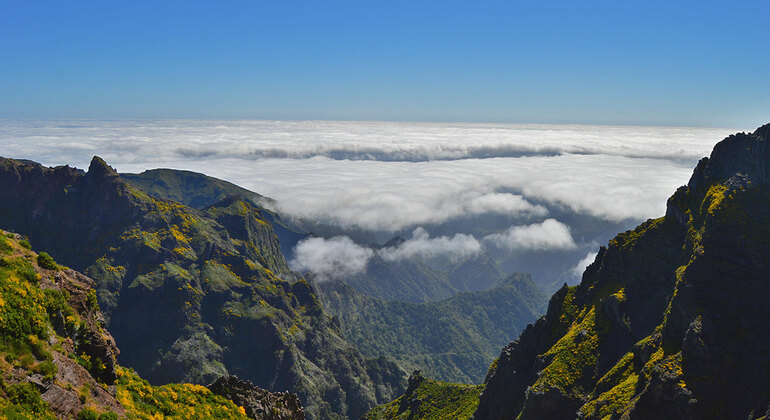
(500, 203)
(580, 267)
(548, 235)
(337, 257)
(423, 246)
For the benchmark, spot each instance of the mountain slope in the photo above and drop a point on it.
(451, 340)
(199, 191)
(57, 361)
(410, 279)
(429, 399)
(193, 294)
(670, 320)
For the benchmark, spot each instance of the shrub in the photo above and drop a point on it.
(45, 261)
(88, 413)
(5, 246)
(83, 393)
(25, 244)
(47, 368)
(27, 396)
(91, 301)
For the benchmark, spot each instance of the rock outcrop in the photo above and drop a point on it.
(259, 403)
(669, 321)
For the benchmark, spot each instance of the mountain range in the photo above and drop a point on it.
(191, 295)
(189, 275)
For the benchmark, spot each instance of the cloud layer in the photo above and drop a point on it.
(143, 141)
(339, 257)
(395, 177)
(550, 234)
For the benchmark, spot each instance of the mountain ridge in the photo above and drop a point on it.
(182, 280)
(650, 331)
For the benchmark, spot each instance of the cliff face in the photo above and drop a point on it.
(670, 320)
(193, 294)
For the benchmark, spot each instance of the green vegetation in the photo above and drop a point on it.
(89, 413)
(23, 402)
(187, 401)
(453, 340)
(573, 356)
(428, 399)
(45, 261)
(29, 315)
(178, 286)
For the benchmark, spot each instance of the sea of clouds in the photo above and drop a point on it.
(399, 177)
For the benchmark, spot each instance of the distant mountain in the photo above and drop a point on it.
(58, 361)
(670, 321)
(193, 294)
(199, 191)
(414, 280)
(451, 340)
(409, 279)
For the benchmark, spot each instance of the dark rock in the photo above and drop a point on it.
(259, 403)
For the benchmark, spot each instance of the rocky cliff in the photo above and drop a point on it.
(193, 294)
(671, 319)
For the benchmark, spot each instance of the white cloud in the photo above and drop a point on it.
(580, 267)
(330, 258)
(340, 257)
(550, 234)
(144, 141)
(423, 246)
(416, 173)
(504, 204)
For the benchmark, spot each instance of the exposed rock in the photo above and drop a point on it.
(259, 403)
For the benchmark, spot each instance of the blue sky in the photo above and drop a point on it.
(614, 62)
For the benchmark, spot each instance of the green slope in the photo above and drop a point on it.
(56, 360)
(410, 280)
(193, 294)
(453, 340)
(429, 399)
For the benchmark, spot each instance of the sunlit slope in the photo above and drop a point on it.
(193, 294)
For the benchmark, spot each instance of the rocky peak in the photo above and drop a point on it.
(747, 154)
(100, 168)
(414, 381)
